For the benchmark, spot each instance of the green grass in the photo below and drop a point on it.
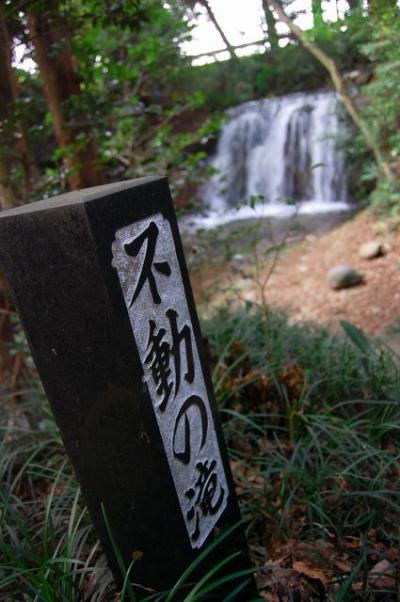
(314, 435)
(312, 423)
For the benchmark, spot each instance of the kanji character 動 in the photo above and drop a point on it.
(161, 351)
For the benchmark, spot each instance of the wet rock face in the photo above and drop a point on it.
(371, 250)
(298, 178)
(344, 276)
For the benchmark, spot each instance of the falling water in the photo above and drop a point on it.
(282, 151)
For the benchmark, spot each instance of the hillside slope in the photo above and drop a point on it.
(299, 282)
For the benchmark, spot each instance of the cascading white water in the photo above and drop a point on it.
(283, 150)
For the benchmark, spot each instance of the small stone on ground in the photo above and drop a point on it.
(344, 276)
(371, 250)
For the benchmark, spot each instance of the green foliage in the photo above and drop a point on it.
(134, 103)
(381, 108)
(259, 76)
(134, 95)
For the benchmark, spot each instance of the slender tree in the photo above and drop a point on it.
(214, 21)
(271, 26)
(339, 84)
(210, 13)
(51, 41)
(317, 13)
(354, 4)
(8, 146)
(18, 136)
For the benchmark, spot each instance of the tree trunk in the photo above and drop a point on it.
(10, 96)
(8, 152)
(217, 26)
(60, 83)
(330, 66)
(317, 13)
(271, 26)
(8, 195)
(354, 4)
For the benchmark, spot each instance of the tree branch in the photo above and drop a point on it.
(330, 66)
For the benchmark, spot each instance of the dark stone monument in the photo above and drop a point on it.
(102, 289)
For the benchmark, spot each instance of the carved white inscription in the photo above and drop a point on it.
(145, 258)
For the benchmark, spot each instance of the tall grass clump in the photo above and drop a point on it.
(48, 549)
(312, 421)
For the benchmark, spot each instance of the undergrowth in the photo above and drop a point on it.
(312, 423)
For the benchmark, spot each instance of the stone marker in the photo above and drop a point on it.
(101, 285)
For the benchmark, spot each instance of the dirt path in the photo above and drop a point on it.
(299, 281)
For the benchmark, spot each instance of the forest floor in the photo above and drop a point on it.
(297, 282)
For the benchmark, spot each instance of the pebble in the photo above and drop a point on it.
(344, 276)
(371, 250)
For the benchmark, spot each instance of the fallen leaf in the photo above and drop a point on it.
(382, 574)
(137, 555)
(313, 573)
(345, 567)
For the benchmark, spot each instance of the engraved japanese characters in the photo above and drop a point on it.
(145, 258)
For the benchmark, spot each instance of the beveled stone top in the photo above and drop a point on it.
(78, 196)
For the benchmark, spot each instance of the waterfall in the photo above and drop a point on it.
(281, 151)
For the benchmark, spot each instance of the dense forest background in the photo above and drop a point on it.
(111, 95)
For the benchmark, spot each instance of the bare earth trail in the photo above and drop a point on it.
(299, 280)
